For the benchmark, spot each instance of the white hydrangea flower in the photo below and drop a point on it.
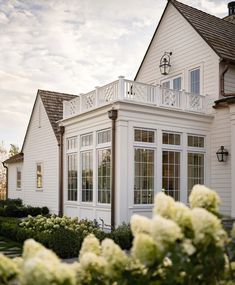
(91, 262)
(115, 257)
(140, 224)
(233, 231)
(165, 232)
(207, 228)
(182, 216)
(167, 262)
(8, 268)
(188, 247)
(164, 205)
(90, 244)
(145, 249)
(203, 197)
(31, 248)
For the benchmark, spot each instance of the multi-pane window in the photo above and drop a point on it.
(171, 138)
(144, 176)
(177, 83)
(195, 141)
(195, 170)
(71, 143)
(18, 178)
(171, 173)
(104, 136)
(104, 175)
(173, 83)
(166, 84)
(39, 175)
(194, 76)
(86, 140)
(87, 176)
(145, 136)
(72, 176)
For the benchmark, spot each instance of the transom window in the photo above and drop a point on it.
(171, 173)
(104, 175)
(18, 178)
(104, 136)
(86, 140)
(144, 176)
(194, 76)
(72, 143)
(145, 136)
(39, 175)
(87, 176)
(72, 176)
(195, 141)
(171, 138)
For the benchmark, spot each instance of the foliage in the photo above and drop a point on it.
(3, 156)
(122, 236)
(14, 149)
(178, 245)
(15, 208)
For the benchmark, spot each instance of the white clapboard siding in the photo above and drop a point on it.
(220, 171)
(229, 81)
(189, 51)
(13, 192)
(41, 146)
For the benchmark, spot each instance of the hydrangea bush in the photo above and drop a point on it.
(179, 245)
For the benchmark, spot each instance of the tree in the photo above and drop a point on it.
(3, 156)
(13, 150)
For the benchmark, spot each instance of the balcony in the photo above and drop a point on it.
(135, 92)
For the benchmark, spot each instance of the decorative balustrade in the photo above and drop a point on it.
(132, 91)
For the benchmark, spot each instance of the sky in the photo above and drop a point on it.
(71, 46)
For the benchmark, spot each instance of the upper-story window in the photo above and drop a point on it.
(174, 83)
(18, 178)
(194, 79)
(104, 136)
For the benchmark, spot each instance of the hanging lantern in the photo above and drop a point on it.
(165, 63)
(222, 154)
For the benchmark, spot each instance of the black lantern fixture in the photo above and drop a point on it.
(222, 154)
(165, 63)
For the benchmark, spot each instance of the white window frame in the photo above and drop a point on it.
(18, 169)
(42, 174)
(144, 145)
(200, 78)
(85, 149)
(170, 79)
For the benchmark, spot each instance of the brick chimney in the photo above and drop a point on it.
(231, 12)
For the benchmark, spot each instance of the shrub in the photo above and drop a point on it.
(122, 236)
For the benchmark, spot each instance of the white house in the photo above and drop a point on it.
(123, 142)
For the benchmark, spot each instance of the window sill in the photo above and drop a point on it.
(142, 206)
(18, 189)
(39, 190)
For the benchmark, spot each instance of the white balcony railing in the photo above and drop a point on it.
(132, 91)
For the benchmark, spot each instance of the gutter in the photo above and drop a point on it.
(61, 172)
(112, 114)
(4, 165)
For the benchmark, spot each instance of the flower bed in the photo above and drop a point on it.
(179, 245)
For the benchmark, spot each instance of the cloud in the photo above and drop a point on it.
(71, 46)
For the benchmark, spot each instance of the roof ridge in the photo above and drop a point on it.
(55, 92)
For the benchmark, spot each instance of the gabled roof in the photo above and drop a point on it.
(218, 33)
(19, 157)
(53, 104)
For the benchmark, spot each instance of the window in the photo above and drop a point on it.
(171, 173)
(18, 178)
(145, 136)
(173, 83)
(194, 80)
(39, 175)
(72, 176)
(171, 138)
(86, 140)
(195, 141)
(72, 143)
(195, 170)
(104, 175)
(104, 137)
(144, 176)
(87, 176)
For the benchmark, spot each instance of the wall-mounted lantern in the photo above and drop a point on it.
(165, 63)
(222, 154)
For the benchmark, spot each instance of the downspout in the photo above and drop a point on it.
(222, 79)
(3, 163)
(61, 171)
(113, 116)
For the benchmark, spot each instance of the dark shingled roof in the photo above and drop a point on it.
(19, 157)
(53, 103)
(218, 33)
